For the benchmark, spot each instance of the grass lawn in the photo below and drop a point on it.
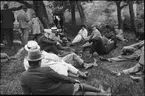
(121, 86)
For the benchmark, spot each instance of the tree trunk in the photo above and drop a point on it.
(72, 3)
(132, 17)
(120, 23)
(41, 13)
(81, 12)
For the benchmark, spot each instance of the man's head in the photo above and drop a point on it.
(54, 29)
(6, 6)
(34, 15)
(47, 32)
(93, 27)
(24, 8)
(83, 27)
(34, 56)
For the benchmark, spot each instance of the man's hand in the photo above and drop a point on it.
(82, 74)
(57, 43)
(77, 81)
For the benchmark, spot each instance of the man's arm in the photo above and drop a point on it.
(72, 69)
(48, 41)
(13, 17)
(25, 89)
(85, 33)
(26, 18)
(58, 77)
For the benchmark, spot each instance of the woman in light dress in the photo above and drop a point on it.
(36, 25)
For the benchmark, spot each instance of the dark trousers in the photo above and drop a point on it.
(2, 35)
(35, 37)
(52, 48)
(9, 36)
(99, 47)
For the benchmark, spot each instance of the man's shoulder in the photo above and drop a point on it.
(42, 37)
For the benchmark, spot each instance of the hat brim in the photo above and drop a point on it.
(42, 56)
(26, 48)
(48, 31)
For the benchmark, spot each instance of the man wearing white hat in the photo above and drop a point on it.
(47, 43)
(45, 81)
(60, 65)
(50, 43)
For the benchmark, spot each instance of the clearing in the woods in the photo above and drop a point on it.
(120, 86)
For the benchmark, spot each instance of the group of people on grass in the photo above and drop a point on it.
(53, 69)
(49, 72)
(45, 65)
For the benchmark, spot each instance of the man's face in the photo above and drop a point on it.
(54, 30)
(34, 16)
(93, 28)
(46, 35)
(83, 28)
(25, 9)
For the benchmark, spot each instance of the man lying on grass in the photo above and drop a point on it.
(131, 52)
(139, 67)
(45, 81)
(62, 65)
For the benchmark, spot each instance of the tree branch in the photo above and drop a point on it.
(16, 8)
(123, 6)
(25, 3)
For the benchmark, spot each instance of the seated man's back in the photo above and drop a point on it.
(45, 81)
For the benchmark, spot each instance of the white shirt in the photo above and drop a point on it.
(83, 33)
(56, 63)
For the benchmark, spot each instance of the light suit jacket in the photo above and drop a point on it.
(23, 20)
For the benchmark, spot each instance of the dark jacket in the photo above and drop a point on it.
(46, 81)
(7, 17)
(45, 42)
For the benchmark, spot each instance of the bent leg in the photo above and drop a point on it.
(132, 70)
(78, 38)
(97, 46)
(109, 47)
(71, 57)
(89, 88)
(25, 35)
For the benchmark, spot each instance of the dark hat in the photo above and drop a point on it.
(24, 7)
(5, 6)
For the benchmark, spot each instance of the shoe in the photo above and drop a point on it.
(136, 79)
(104, 59)
(84, 76)
(88, 66)
(118, 74)
(101, 88)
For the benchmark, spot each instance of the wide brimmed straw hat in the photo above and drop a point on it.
(32, 45)
(53, 28)
(34, 53)
(48, 31)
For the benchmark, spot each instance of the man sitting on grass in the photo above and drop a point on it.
(62, 65)
(99, 43)
(45, 81)
(51, 43)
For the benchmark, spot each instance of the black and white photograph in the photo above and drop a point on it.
(72, 47)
